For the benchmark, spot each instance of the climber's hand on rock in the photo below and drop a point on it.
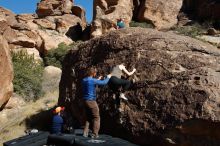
(134, 69)
(100, 77)
(109, 76)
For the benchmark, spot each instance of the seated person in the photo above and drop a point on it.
(116, 83)
(57, 122)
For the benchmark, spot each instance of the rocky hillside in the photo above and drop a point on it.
(203, 9)
(162, 14)
(55, 22)
(180, 103)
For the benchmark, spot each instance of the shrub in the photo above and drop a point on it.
(191, 31)
(55, 57)
(140, 24)
(27, 75)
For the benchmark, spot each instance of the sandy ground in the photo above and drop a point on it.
(13, 122)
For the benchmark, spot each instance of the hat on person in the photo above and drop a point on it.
(59, 109)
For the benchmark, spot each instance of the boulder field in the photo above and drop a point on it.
(55, 22)
(162, 14)
(36, 34)
(180, 104)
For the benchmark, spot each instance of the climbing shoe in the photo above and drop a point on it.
(122, 96)
(85, 134)
(94, 136)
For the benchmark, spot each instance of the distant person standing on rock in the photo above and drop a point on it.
(117, 84)
(89, 95)
(120, 23)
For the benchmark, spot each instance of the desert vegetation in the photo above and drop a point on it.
(27, 75)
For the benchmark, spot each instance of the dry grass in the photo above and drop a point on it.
(13, 124)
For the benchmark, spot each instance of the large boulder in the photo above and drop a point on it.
(180, 102)
(51, 79)
(6, 69)
(161, 13)
(106, 14)
(51, 39)
(54, 7)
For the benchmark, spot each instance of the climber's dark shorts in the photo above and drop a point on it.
(116, 83)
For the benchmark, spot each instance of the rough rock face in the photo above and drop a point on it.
(63, 32)
(179, 104)
(161, 13)
(54, 7)
(79, 12)
(15, 101)
(106, 13)
(6, 69)
(30, 32)
(215, 40)
(6, 16)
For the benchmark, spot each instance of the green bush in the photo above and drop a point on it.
(27, 75)
(192, 31)
(140, 24)
(55, 57)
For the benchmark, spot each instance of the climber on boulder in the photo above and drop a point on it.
(89, 95)
(118, 85)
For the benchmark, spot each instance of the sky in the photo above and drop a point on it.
(29, 6)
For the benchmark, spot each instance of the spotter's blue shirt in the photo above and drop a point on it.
(89, 87)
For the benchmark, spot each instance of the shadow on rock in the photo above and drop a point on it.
(40, 121)
(75, 32)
